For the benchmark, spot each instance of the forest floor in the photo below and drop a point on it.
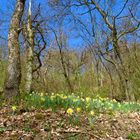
(46, 124)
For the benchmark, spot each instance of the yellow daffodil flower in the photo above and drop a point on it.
(75, 100)
(14, 108)
(100, 98)
(88, 99)
(41, 94)
(92, 113)
(119, 105)
(64, 97)
(42, 99)
(70, 111)
(78, 109)
(52, 97)
(114, 100)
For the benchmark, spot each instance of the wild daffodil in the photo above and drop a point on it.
(75, 100)
(92, 113)
(41, 94)
(114, 100)
(78, 109)
(52, 94)
(70, 111)
(14, 108)
(88, 99)
(42, 99)
(52, 97)
(64, 97)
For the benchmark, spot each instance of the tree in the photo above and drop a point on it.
(112, 31)
(13, 75)
(118, 61)
(29, 52)
(34, 35)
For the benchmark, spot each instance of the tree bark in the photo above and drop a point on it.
(13, 77)
(29, 52)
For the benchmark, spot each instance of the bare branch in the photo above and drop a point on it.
(129, 31)
(103, 14)
(122, 9)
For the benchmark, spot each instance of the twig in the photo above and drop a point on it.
(80, 132)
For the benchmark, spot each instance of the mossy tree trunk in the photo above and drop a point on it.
(13, 74)
(29, 52)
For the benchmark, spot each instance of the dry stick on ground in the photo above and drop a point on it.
(79, 132)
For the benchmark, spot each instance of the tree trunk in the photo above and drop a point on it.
(29, 52)
(13, 77)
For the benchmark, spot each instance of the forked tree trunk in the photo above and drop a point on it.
(13, 77)
(29, 52)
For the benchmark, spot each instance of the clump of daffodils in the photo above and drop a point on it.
(70, 111)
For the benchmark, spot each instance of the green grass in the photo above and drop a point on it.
(133, 136)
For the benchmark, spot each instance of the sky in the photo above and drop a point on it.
(6, 10)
